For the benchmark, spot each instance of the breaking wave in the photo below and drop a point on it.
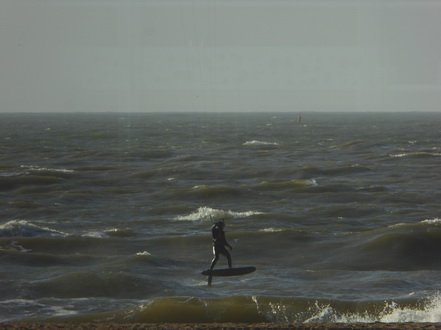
(206, 213)
(260, 143)
(243, 309)
(22, 228)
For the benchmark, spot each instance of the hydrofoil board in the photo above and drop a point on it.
(229, 271)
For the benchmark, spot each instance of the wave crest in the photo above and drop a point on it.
(22, 228)
(255, 309)
(206, 213)
(260, 143)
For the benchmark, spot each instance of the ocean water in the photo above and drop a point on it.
(107, 217)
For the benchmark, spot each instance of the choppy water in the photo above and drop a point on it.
(106, 217)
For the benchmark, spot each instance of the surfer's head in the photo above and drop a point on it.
(220, 224)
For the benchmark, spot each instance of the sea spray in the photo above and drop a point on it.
(420, 311)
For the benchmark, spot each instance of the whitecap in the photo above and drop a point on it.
(271, 230)
(95, 234)
(245, 214)
(416, 154)
(398, 155)
(434, 221)
(143, 253)
(22, 228)
(119, 232)
(206, 213)
(45, 169)
(263, 143)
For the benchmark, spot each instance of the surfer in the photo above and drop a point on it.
(220, 243)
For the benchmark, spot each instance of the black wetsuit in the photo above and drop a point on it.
(219, 246)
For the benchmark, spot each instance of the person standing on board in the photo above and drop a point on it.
(220, 243)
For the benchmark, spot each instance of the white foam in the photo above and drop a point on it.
(391, 313)
(398, 155)
(271, 230)
(14, 246)
(22, 228)
(262, 143)
(309, 182)
(434, 221)
(143, 253)
(32, 308)
(95, 234)
(418, 153)
(44, 169)
(206, 213)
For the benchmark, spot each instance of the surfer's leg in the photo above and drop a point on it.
(213, 262)
(227, 254)
(215, 259)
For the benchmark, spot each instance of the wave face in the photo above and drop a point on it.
(255, 309)
(108, 216)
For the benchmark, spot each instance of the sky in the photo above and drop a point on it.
(220, 55)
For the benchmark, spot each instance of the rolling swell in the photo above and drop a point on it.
(248, 190)
(205, 191)
(89, 284)
(34, 177)
(401, 247)
(255, 309)
(314, 172)
(16, 182)
(404, 247)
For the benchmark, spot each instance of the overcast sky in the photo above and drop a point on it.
(220, 55)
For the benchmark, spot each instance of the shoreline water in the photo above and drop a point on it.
(243, 326)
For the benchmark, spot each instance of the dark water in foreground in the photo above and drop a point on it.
(106, 217)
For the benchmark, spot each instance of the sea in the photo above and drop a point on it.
(106, 217)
